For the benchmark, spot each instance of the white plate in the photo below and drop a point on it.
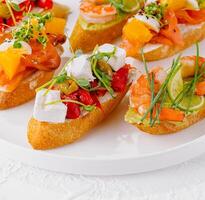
(112, 148)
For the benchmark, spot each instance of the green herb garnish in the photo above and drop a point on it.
(88, 108)
(155, 10)
(17, 45)
(163, 89)
(32, 28)
(104, 80)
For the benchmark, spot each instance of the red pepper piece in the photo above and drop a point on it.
(120, 79)
(85, 97)
(73, 111)
(96, 101)
(101, 92)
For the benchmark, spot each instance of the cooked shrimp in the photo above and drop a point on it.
(98, 11)
(189, 65)
(140, 97)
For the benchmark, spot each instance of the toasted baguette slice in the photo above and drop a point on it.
(43, 135)
(86, 40)
(25, 91)
(166, 127)
(165, 51)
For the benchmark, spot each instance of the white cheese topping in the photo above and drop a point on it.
(54, 113)
(18, 1)
(193, 5)
(80, 68)
(118, 60)
(9, 43)
(150, 22)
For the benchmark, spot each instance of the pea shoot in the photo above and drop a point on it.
(33, 27)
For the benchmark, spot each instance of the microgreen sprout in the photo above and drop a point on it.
(88, 108)
(33, 27)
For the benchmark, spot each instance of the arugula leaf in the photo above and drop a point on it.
(107, 79)
(89, 108)
(61, 78)
(83, 83)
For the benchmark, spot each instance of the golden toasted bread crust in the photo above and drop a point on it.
(43, 135)
(87, 40)
(167, 127)
(25, 91)
(165, 51)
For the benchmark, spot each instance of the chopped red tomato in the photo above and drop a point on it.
(171, 31)
(85, 97)
(120, 79)
(73, 111)
(101, 91)
(96, 101)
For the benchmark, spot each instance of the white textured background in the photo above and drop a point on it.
(183, 182)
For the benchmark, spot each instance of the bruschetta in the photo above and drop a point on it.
(164, 102)
(29, 54)
(86, 91)
(164, 28)
(100, 21)
(12, 12)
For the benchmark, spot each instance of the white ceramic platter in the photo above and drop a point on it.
(112, 148)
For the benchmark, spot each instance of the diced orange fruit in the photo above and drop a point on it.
(136, 32)
(56, 26)
(174, 4)
(200, 88)
(10, 62)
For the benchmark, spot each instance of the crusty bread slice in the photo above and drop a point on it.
(43, 135)
(25, 91)
(166, 127)
(165, 51)
(86, 40)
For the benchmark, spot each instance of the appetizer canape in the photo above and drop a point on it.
(101, 21)
(164, 102)
(13, 11)
(86, 91)
(164, 27)
(29, 54)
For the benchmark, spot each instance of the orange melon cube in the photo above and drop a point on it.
(56, 26)
(10, 62)
(174, 4)
(136, 32)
